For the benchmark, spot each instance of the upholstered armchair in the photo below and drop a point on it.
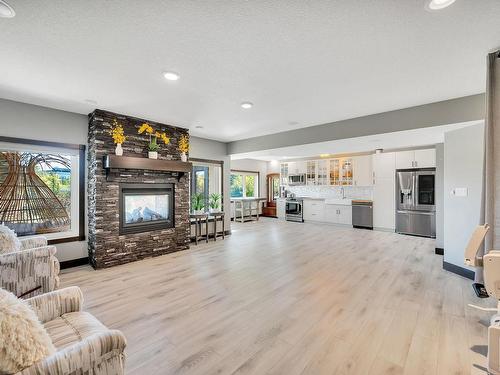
(84, 345)
(29, 268)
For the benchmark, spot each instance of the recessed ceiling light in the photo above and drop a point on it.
(91, 101)
(171, 76)
(439, 4)
(246, 105)
(6, 10)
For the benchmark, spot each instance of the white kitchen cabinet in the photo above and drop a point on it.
(338, 214)
(425, 158)
(292, 167)
(322, 176)
(362, 170)
(405, 159)
(311, 175)
(384, 200)
(416, 159)
(314, 210)
(301, 167)
(384, 165)
(384, 204)
(281, 208)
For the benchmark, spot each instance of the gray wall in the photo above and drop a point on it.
(22, 120)
(463, 168)
(440, 195)
(469, 108)
(202, 148)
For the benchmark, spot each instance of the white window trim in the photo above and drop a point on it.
(256, 184)
(74, 230)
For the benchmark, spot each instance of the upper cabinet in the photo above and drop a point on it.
(416, 159)
(383, 165)
(425, 158)
(363, 170)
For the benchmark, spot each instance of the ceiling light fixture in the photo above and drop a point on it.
(6, 10)
(199, 127)
(171, 76)
(246, 105)
(439, 4)
(324, 155)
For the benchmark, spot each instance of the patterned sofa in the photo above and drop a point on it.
(33, 265)
(84, 345)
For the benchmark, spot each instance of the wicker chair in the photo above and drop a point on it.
(84, 345)
(32, 270)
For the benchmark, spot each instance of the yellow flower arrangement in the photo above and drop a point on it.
(145, 128)
(154, 135)
(184, 144)
(117, 132)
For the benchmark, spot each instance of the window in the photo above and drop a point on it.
(244, 184)
(207, 181)
(41, 188)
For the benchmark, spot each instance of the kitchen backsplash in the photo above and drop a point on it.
(332, 192)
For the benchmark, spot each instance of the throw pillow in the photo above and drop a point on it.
(8, 240)
(23, 339)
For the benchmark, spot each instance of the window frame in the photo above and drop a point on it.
(81, 184)
(219, 163)
(243, 176)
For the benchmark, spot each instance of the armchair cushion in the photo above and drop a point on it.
(50, 306)
(23, 339)
(8, 240)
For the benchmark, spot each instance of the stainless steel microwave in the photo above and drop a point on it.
(297, 179)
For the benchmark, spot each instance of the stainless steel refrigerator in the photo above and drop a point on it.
(415, 202)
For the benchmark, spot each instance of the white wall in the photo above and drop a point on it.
(463, 168)
(253, 165)
(440, 195)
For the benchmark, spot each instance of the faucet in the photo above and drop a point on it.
(343, 192)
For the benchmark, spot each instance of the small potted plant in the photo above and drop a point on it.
(153, 145)
(184, 147)
(198, 203)
(214, 203)
(118, 137)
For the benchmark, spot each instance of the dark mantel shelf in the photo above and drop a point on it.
(128, 162)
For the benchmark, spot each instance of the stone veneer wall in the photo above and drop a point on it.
(106, 247)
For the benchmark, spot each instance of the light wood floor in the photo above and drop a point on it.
(288, 298)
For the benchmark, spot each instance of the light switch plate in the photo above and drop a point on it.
(460, 192)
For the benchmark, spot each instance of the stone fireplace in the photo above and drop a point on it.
(137, 207)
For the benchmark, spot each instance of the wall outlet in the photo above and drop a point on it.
(460, 192)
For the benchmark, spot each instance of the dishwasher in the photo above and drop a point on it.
(362, 214)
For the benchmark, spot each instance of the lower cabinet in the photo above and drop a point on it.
(338, 214)
(317, 210)
(281, 208)
(314, 210)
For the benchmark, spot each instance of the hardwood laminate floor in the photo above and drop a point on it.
(288, 298)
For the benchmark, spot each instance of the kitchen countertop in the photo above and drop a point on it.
(330, 201)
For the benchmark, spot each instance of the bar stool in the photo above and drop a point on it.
(218, 216)
(198, 221)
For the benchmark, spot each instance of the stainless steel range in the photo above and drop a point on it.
(294, 210)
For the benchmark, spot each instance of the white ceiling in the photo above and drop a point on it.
(301, 63)
(368, 144)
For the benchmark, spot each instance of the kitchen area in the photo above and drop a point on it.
(391, 191)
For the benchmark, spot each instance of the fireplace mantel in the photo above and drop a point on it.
(129, 162)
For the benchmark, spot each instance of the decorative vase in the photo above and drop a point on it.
(184, 157)
(214, 210)
(199, 212)
(153, 154)
(119, 149)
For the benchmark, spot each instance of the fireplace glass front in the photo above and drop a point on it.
(146, 207)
